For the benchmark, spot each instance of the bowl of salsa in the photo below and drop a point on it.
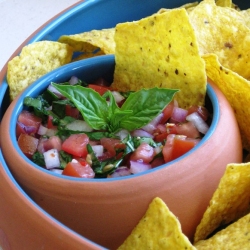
(125, 166)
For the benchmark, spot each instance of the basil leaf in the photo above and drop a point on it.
(92, 106)
(146, 105)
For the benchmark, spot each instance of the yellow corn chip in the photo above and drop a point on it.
(246, 15)
(158, 229)
(229, 202)
(237, 91)
(35, 60)
(224, 3)
(88, 42)
(160, 50)
(235, 236)
(223, 31)
(88, 55)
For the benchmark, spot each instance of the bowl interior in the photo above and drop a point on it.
(89, 70)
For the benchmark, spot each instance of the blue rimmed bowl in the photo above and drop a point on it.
(106, 210)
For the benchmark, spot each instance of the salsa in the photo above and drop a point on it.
(93, 131)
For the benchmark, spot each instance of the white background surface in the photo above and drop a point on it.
(19, 19)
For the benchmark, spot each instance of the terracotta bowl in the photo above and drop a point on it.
(106, 210)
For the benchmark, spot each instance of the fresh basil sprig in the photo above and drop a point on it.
(138, 110)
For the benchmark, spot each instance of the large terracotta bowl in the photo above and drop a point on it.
(106, 210)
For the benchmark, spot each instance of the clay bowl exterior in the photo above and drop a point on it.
(106, 210)
(24, 225)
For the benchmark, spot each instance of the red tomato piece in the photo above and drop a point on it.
(29, 120)
(54, 142)
(28, 144)
(111, 145)
(167, 149)
(71, 111)
(143, 153)
(188, 129)
(76, 145)
(167, 112)
(202, 111)
(50, 125)
(182, 145)
(76, 169)
(100, 89)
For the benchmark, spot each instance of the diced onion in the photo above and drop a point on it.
(179, 114)
(73, 80)
(198, 122)
(122, 134)
(118, 97)
(150, 127)
(141, 133)
(54, 91)
(42, 130)
(56, 170)
(51, 158)
(138, 167)
(79, 125)
(98, 150)
(121, 171)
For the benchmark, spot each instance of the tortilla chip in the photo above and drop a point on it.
(88, 42)
(149, 52)
(224, 3)
(35, 60)
(230, 201)
(88, 55)
(237, 91)
(223, 31)
(187, 6)
(158, 229)
(246, 15)
(235, 236)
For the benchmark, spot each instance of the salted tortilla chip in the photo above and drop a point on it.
(229, 202)
(223, 31)
(158, 229)
(237, 91)
(90, 41)
(34, 61)
(235, 236)
(160, 50)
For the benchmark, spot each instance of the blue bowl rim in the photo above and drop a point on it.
(78, 64)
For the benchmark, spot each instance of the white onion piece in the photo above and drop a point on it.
(121, 171)
(122, 134)
(118, 97)
(79, 125)
(141, 133)
(198, 122)
(150, 127)
(51, 158)
(179, 114)
(56, 170)
(138, 167)
(73, 80)
(54, 91)
(98, 150)
(42, 130)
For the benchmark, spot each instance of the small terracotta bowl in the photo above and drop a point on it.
(106, 210)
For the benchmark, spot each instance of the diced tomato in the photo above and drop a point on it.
(167, 112)
(187, 129)
(71, 111)
(158, 161)
(111, 145)
(167, 149)
(28, 144)
(143, 153)
(50, 125)
(29, 120)
(202, 111)
(76, 169)
(100, 89)
(161, 135)
(76, 145)
(182, 145)
(54, 142)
